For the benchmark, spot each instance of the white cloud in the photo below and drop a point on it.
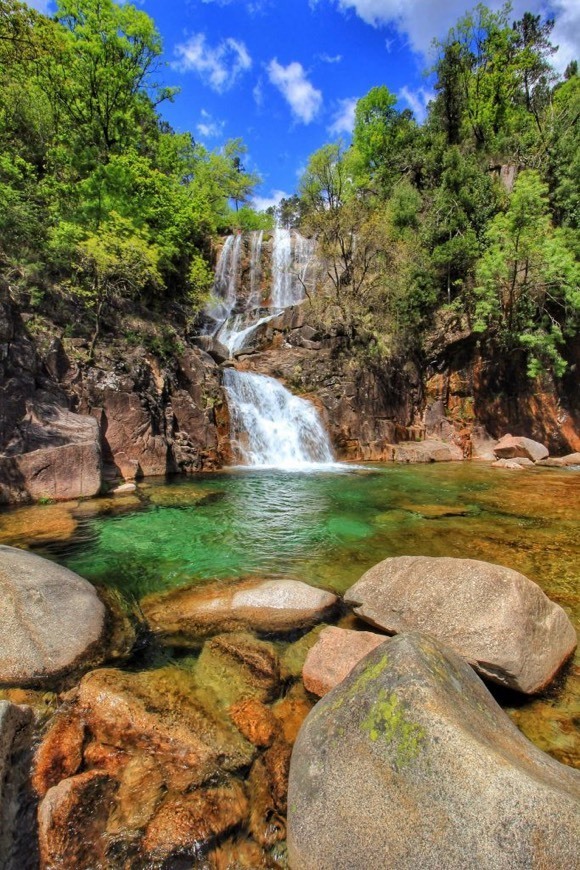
(252, 6)
(300, 94)
(261, 203)
(208, 127)
(258, 93)
(420, 21)
(329, 58)
(417, 101)
(219, 66)
(343, 120)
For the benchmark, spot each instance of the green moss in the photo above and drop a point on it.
(370, 673)
(386, 721)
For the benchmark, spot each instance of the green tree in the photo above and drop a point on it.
(528, 282)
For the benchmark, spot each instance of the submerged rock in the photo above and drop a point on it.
(52, 620)
(411, 763)
(511, 464)
(157, 712)
(188, 824)
(514, 446)
(237, 667)
(334, 655)
(496, 618)
(184, 616)
(71, 822)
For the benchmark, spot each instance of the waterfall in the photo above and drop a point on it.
(271, 427)
(256, 269)
(225, 287)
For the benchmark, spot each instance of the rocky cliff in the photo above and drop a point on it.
(141, 408)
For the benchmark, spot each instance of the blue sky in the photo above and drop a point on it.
(284, 75)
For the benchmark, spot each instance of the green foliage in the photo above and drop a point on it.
(528, 291)
(92, 182)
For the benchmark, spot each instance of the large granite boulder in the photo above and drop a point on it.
(427, 451)
(496, 618)
(334, 655)
(52, 620)
(410, 763)
(513, 446)
(56, 455)
(184, 616)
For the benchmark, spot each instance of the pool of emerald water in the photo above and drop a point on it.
(327, 528)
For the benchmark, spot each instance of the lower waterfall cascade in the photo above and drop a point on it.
(271, 427)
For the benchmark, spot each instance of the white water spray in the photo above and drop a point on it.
(272, 428)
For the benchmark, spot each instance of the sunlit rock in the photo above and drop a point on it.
(496, 618)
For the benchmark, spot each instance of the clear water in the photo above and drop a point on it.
(327, 529)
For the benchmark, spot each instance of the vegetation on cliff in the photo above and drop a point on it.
(476, 209)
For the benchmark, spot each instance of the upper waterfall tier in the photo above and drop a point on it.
(272, 428)
(257, 271)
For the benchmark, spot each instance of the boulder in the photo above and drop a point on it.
(410, 763)
(571, 459)
(482, 444)
(183, 616)
(52, 620)
(512, 446)
(334, 655)
(57, 456)
(496, 618)
(427, 451)
(550, 462)
(15, 742)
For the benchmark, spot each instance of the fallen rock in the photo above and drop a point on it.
(482, 444)
(15, 743)
(513, 446)
(184, 616)
(71, 822)
(571, 459)
(186, 825)
(52, 620)
(496, 618)
(552, 462)
(334, 655)
(427, 451)
(410, 763)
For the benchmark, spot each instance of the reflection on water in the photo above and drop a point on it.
(327, 529)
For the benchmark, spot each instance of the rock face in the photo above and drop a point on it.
(52, 620)
(56, 455)
(512, 447)
(15, 743)
(497, 619)
(265, 606)
(334, 655)
(411, 763)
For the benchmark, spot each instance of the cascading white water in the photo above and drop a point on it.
(282, 283)
(225, 287)
(255, 268)
(271, 427)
